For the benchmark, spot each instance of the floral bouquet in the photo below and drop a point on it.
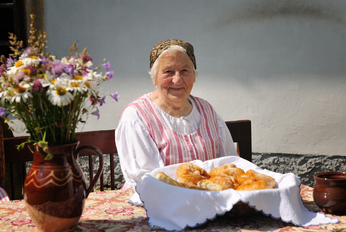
(50, 96)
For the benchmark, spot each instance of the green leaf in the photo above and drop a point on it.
(49, 157)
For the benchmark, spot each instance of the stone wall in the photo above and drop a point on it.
(303, 166)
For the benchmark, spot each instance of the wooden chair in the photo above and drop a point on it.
(105, 141)
(241, 134)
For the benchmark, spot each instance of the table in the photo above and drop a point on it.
(110, 211)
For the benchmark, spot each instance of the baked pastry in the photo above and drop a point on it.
(191, 172)
(252, 180)
(209, 185)
(219, 183)
(164, 178)
(186, 182)
(255, 185)
(228, 169)
(227, 176)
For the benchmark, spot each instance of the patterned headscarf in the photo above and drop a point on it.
(165, 44)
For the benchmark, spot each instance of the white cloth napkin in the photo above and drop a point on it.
(173, 208)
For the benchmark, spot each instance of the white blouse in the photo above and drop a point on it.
(137, 151)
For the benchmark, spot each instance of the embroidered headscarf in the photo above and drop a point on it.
(165, 44)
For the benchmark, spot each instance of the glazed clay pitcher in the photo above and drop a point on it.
(55, 188)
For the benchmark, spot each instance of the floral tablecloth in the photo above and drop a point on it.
(110, 211)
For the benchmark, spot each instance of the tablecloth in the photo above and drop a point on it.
(110, 211)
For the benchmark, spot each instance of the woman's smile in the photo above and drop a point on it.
(176, 88)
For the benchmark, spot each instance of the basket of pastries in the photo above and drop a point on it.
(220, 178)
(191, 193)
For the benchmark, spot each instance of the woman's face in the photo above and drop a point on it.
(175, 77)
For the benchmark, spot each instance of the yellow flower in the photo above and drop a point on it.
(27, 71)
(74, 84)
(78, 78)
(58, 95)
(19, 63)
(19, 89)
(87, 84)
(61, 91)
(21, 93)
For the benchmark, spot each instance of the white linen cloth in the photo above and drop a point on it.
(138, 153)
(174, 208)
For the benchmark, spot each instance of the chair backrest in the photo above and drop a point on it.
(241, 134)
(103, 139)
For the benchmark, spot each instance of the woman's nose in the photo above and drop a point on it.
(177, 78)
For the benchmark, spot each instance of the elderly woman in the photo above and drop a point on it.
(169, 125)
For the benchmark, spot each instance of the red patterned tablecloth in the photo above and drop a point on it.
(109, 211)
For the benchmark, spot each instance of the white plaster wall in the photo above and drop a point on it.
(279, 63)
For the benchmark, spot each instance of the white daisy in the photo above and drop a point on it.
(72, 60)
(93, 76)
(89, 82)
(21, 93)
(22, 64)
(34, 60)
(65, 76)
(58, 94)
(17, 67)
(76, 85)
(88, 64)
(48, 79)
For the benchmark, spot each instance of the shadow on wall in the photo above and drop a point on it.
(270, 9)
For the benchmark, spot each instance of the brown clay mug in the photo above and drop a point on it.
(330, 192)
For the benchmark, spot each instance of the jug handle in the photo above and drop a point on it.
(99, 171)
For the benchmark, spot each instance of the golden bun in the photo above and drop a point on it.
(227, 176)
(191, 172)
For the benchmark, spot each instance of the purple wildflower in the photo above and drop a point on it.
(102, 101)
(10, 61)
(115, 96)
(26, 78)
(19, 76)
(83, 69)
(27, 52)
(58, 67)
(110, 74)
(37, 87)
(96, 113)
(86, 58)
(2, 111)
(69, 69)
(44, 60)
(107, 65)
(34, 51)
